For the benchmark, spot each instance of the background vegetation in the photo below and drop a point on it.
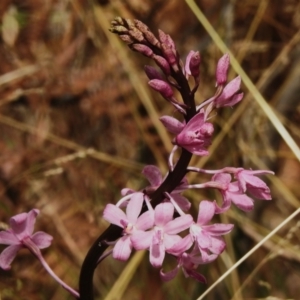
(78, 122)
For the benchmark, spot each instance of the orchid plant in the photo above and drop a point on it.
(157, 218)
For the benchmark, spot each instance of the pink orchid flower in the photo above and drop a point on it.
(208, 237)
(131, 222)
(20, 235)
(230, 95)
(164, 234)
(231, 192)
(248, 181)
(189, 262)
(196, 135)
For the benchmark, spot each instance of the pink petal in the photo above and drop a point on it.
(145, 221)
(8, 255)
(31, 217)
(243, 202)
(157, 254)
(263, 194)
(208, 259)
(222, 69)
(195, 123)
(187, 62)
(141, 239)
(181, 246)
(192, 273)
(18, 224)
(217, 245)
(179, 224)
(153, 174)
(169, 275)
(8, 238)
(172, 124)
(203, 240)
(134, 207)
(122, 248)
(225, 206)
(114, 215)
(234, 100)
(230, 89)
(206, 212)
(163, 213)
(42, 239)
(223, 178)
(218, 229)
(171, 240)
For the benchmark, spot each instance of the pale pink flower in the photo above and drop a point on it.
(189, 262)
(229, 95)
(231, 192)
(248, 181)
(131, 222)
(196, 135)
(208, 237)
(20, 235)
(164, 234)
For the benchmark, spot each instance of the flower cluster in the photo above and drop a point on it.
(166, 226)
(157, 218)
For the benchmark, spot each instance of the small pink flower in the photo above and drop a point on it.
(208, 237)
(164, 234)
(131, 222)
(189, 262)
(21, 235)
(231, 192)
(196, 135)
(229, 95)
(248, 181)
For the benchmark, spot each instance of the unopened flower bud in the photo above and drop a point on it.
(162, 87)
(166, 39)
(152, 73)
(119, 21)
(169, 54)
(143, 49)
(149, 36)
(162, 63)
(136, 34)
(195, 64)
(192, 63)
(127, 39)
(119, 29)
(129, 23)
(222, 69)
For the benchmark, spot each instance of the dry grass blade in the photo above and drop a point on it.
(249, 253)
(104, 157)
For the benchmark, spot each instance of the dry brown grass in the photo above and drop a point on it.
(78, 122)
